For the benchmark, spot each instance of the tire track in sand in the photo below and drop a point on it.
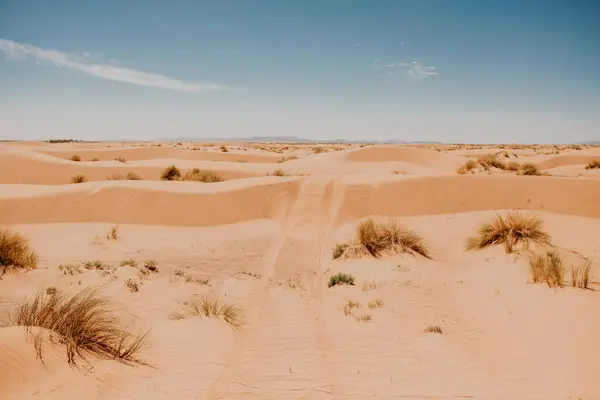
(285, 341)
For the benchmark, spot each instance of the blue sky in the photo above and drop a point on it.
(452, 71)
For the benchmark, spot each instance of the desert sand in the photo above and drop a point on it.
(262, 241)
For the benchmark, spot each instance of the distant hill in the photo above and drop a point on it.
(289, 139)
(591, 142)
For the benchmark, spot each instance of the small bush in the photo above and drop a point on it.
(171, 173)
(284, 159)
(433, 329)
(491, 160)
(83, 323)
(529, 169)
(130, 263)
(349, 306)
(364, 318)
(547, 268)
(341, 279)
(278, 172)
(197, 175)
(374, 238)
(113, 234)
(224, 149)
(15, 252)
(132, 176)
(215, 308)
(513, 166)
(151, 265)
(95, 159)
(467, 167)
(510, 230)
(339, 250)
(75, 158)
(70, 269)
(319, 150)
(121, 160)
(51, 290)
(132, 285)
(78, 179)
(593, 165)
(377, 303)
(581, 275)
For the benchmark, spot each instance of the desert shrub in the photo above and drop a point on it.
(113, 233)
(467, 167)
(70, 269)
(224, 149)
(129, 263)
(214, 308)
(491, 160)
(278, 172)
(132, 285)
(75, 158)
(364, 318)
(151, 266)
(339, 250)
(15, 252)
(95, 159)
(529, 169)
(433, 329)
(340, 278)
(115, 177)
(82, 322)
(132, 176)
(284, 159)
(171, 173)
(513, 166)
(319, 150)
(593, 165)
(374, 238)
(581, 275)
(377, 303)
(547, 267)
(510, 230)
(78, 179)
(197, 175)
(121, 160)
(350, 306)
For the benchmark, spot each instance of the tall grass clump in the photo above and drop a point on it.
(581, 275)
(214, 308)
(15, 252)
(75, 158)
(78, 179)
(593, 165)
(467, 167)
(491, 160)
(340, 278)
(509, 230)
(83, 322)
(197, 175)
(171, 173)
(547, 267)
(529, 169)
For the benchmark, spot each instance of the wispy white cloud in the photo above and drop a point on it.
(112, 71)
(414, 69)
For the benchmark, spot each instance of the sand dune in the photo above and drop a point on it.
(264, 245)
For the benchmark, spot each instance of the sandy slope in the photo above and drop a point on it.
(265, 244)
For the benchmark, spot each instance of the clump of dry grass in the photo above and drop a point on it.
(197, 175)
(340, 278)
(467, 167)
(547, 267)
(95, 159)
(132, 285)
(15, 252)
(509, 230)
(375, 238)
(130, 176)
(319, 150)
(210, 307)
(377, 303)
(75, 158)
(121, 160)
(130, 263)
(78, 179)
(371, 286)
(339, 250)
(224, 149)
(278, 172)
(491, 160)
(364, 318)
(284, 159)
(82, 322)
(113, 234)
(513, 166)
(529, 169)
(433, 329)
(593, 165)
(349, 306)
(70, 269)
(171, 173)
(581, 275)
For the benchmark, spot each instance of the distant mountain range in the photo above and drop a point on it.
(289, 139)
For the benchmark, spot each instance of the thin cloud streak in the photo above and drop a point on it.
(414, 69)
(21, 51)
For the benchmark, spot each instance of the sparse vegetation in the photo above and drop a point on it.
(433, 329)
(377, 303)
(278, 172)
(509, 230)
(467, 167)
(341, 278)
(121, 160)
(132, 285)
(70, 269)
(339, 250)
(375, 238)
(491, 160)
(215, 308)
(95, 159)
(197, 175)
(132, 176)
(151, 266)
(593, 165)
(224, 149)
(51, 290)
(78, 179)
(581, 275)
(364, 318)
(547, 267)
(82, 322)
(349, 306)
(15, 252)
(171, 173)
(529, 169)
(513, 166)
(371, 286)
(129, 263)
(290, 158)
(319, 150)
(113, 234)
(75, 158)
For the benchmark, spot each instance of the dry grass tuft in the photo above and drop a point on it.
(113, 234)
(171, 173)
(593, 165)
(132, 285)
(290, 158)
(377, 303)
(467, 167)
(491, 160)
(224, 149)
(339, 250)
(349, 306)
(130, 263)
(215, 308)
(364, 318)
(374, 238)
(529, 169)
(121, 160)
(197, 175)
(371, 286)
(547, 268)
(83, 323)
(513, 166)
(75, 158)
(15, 252)
(433, 329)
(515, 227)
(319, 150)
(95, 159)
(581, 275)
(78, 179)
(340, 278)
(278, 172)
